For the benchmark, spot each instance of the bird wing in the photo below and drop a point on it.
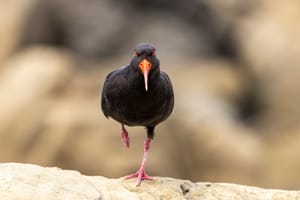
(169, 91)
(167, 81)
(104, 100)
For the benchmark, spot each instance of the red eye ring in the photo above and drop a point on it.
(153, 53)
(135, 53)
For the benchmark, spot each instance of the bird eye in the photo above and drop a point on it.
(136, 53)
(153, 53)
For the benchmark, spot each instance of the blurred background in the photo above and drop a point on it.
(234, 66)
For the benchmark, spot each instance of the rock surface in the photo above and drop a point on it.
(27, 181)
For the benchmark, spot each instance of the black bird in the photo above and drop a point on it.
(138, 94)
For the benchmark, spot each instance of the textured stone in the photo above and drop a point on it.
(27, 181)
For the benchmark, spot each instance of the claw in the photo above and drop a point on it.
(140, 175)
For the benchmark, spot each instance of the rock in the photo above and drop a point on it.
(13, 16)
(44, 183)
(193, 28)
(208, 124)
(61, 23)
(27, 181)
(268, 44)
(27, 83)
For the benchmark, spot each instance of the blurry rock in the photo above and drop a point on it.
(100, 28)
(27, 83)
(13, 15)
(90, 28)
(269, 46)
(209, 133)
(281, 161)
(24, 181)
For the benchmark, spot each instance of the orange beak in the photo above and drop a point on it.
(145, 66)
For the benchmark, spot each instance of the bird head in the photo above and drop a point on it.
(145, 60)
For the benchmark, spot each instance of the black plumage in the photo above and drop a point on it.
(138, 94)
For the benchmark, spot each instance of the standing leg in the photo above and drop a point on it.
(141, 174)
(124, 136)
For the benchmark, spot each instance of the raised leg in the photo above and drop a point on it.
(141, 174)
(124, 136)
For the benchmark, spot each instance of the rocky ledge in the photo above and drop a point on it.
(27, 181)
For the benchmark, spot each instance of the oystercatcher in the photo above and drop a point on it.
(138, 94)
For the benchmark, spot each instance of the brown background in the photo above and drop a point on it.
(235, 67)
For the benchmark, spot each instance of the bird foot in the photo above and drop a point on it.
(124, 137)
(140, 175)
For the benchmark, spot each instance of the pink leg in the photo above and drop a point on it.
(124, 136)
(141, 174)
